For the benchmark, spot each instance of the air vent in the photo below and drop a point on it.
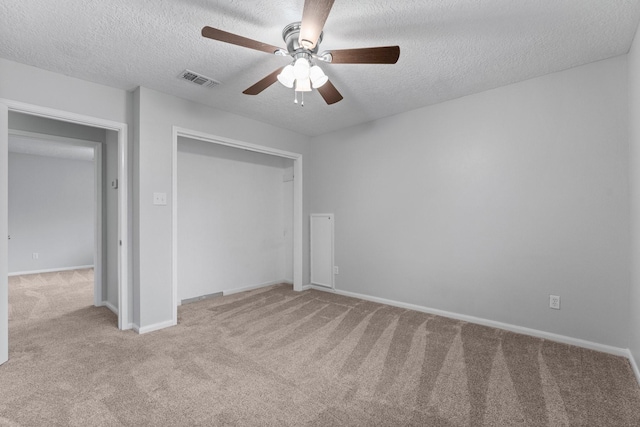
(198, 79)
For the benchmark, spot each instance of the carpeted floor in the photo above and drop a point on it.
(276, 357)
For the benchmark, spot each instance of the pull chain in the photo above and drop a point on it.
(295, 98)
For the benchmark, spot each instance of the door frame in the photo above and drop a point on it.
(123, 197)
(297, 201)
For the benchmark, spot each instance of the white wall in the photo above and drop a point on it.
(31, 85)
(230, 218)
(51, 212)
(487, 204)
(634, 160)
(157, 113)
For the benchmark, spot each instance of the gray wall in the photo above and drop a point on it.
(231, 223)
(51, 212)
(634, 158)
(481, 206)
(487, 204)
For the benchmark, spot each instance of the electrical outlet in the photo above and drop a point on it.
(160, 199)
(336, 270)
(554, 302)
(35, 255)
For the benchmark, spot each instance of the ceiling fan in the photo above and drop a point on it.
(303, 40)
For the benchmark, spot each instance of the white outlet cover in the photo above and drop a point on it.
(160, 199)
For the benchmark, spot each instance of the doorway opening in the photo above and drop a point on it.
(62, 210)
(235, 222)
(118, 132)
(287, 160)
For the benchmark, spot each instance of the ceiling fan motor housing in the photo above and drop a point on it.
(291, 34)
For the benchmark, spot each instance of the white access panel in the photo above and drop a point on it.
(322, 250)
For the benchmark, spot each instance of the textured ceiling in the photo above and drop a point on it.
(449, 48)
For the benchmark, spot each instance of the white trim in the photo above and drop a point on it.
(252, 287)
(485, 322)
(634, 366)
(123, 229)
(55, 114)
(53, 270)
(123, 205)
(98, 227)
(64, 139)
(333, 263)
(109, 306)
(4, 231)
(298, 195)
(154, 327)
(297, 203)
(201, 136)
(174, 225)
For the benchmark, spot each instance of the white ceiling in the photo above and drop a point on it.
(449, 48)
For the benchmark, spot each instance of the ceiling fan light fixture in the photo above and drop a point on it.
(301, 68)
(303, 85)
(287, 77)
(302, 40)
(317, 76)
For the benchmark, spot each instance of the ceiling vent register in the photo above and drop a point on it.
(198, 79)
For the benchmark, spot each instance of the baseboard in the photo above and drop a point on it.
(110, 306)
(154, 327)
(634, 366)
(321, 288)
(50, 270)
(485, 322)
(252, 287)
(200, 298)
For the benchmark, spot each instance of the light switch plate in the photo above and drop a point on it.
(160, 199)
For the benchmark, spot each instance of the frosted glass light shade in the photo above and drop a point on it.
(301, 69)
(286, 77)
(317, 76)
(303, 85)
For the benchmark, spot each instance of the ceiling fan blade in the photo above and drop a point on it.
(329, 93)
(314, 15)
(264, 83)
(367, 55)
(223, 36)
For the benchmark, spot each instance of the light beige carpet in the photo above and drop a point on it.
(276, 357)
